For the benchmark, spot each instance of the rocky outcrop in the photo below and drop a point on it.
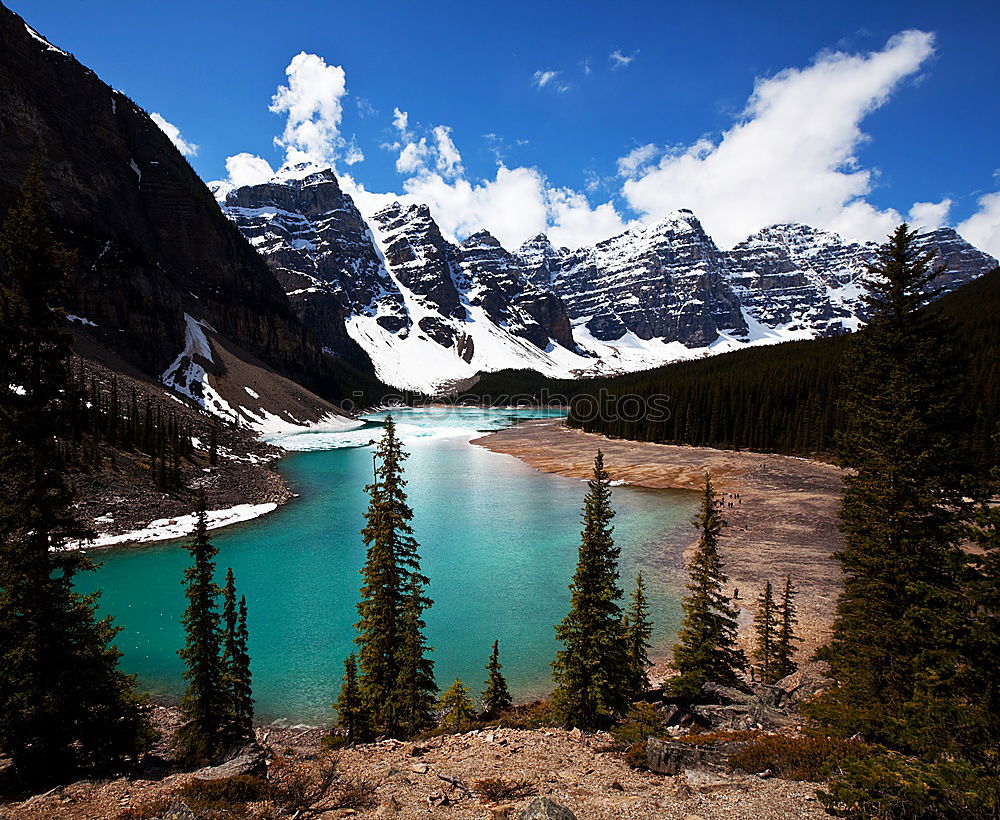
(672, 757)
(250, 761)
(498, 283)
(321, 251)
(420, 258)
(667, 281)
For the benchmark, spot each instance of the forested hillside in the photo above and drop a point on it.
(784, 398)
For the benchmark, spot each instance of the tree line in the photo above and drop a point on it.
(96, 415)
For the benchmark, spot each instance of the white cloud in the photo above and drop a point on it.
(449, 161)
(792, 155)
(930, 214)
(248, 169)
(401, 120)
(352, 153)
(413, 157)
(313, 102)
(619, 60)
(188, 149)
(543, 78)
(549, 79)
(515, 205)
(982, 229)
(637, 160)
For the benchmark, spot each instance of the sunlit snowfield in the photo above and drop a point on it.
(498, 540)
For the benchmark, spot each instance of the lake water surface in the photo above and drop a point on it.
(497, 539)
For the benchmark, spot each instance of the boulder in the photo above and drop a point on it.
(672, 757)
(716, 693)
(178, 810)
(769, 695)
(541, 808)
(800, 686)
(249, 760)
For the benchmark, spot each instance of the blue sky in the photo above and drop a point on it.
(916, 117)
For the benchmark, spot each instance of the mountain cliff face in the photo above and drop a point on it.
(426, 311)
(430, 313)
(808, 280)
(666, 281)
(151, 245)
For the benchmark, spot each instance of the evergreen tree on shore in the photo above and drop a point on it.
(206, 702)
(638, 634)
(706, 649)
(65, 705)
(236, 660)
(784, 648)
(766, 627)
(230, 618)
(456, 708)
(242, 680)
(903, 500)
(413, 698)
(351, 713)
(496, 695)
(390, 639)
(591, 671)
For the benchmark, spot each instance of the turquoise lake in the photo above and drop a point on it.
(498, 541)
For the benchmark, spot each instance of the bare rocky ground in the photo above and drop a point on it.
(783, 522)
(587, 773)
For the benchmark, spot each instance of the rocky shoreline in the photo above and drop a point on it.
(782, 520)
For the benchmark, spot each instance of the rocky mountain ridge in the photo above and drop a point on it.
(430, 313)
(154, 257)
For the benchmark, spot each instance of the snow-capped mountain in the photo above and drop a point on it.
(666, 281)
(806, 280)
(429, 313)
(426, 312)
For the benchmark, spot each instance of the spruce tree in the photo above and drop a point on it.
(456, 708)
(638, 633)
(230, 616)
(496, 695)
(242, 679)
(390, 574)
(784, 647)
(413, 696)
(903, 503)
(65, 705)
(706, 649)
(352, 716)
(591, 671)
(766, 626)
(206, 702)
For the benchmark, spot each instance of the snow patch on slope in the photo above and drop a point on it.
(190, 375)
